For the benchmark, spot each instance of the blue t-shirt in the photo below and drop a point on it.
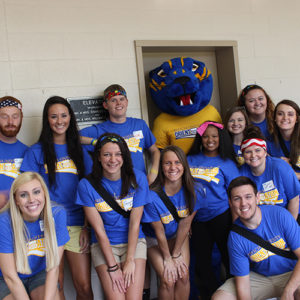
(64, 190)
(215, 174)
(277, 227)
(116, 226)
(136, 133)
(11, 156)
(276, 151)
(157, 211)
(263, 126)
(277, 185)
(35, 245)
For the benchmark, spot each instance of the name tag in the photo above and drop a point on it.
(41, 225)
(138, 134)
(269, 185)
(127, 203)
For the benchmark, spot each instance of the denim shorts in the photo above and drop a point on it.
(30, 283)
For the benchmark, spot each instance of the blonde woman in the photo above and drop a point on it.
(32, 237)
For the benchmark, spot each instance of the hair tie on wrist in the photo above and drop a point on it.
(113, 268)
(153, 171)
(174, 257)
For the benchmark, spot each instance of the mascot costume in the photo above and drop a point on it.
(181, 88)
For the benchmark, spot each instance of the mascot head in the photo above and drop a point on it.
(181, 86)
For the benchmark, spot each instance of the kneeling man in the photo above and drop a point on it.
(259, 273)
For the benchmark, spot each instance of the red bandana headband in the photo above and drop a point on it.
(201, 129)
(253, 142)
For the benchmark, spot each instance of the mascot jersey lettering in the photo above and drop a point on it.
(279, 228)
(135, 132)
(64, 190)
(11, 157)
(35, 245)
(157, 211)
(215, 174)
(181, 130)
(276, 151)
(277, 185)
(116, 226)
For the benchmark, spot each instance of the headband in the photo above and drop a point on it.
(10, 102)
(249, 87)
(253, 142)
(115, 93)
(110, 138)
(201, 129)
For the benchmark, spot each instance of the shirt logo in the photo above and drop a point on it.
(260, 254)
(36, 247)
(65, 165)
(11, 167)
(207, 174)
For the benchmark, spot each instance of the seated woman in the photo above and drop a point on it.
(275, 179)
(168, 241)
(236, 121)
(286, 136)
(108, 194)
(32, 239)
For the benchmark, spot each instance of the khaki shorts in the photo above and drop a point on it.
(151, 241)
(73, 244)
(262, 287)
(119, 252)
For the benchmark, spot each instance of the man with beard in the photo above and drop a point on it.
(11, 150)
(260, 273)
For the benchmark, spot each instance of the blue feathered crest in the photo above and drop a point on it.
(181, 86)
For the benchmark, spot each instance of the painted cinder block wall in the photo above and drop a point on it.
(76, 48)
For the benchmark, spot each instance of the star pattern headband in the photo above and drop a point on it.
(10, 102)
(253, 142)
(115, 93)
(201, 129)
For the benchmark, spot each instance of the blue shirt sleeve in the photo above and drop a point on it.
(239, 262)
(30, 161)
(6, 234)
(150, 213)
(84, 194)
(289, 179)
(60, 219)
(148, 135)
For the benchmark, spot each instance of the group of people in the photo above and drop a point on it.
(91, 189)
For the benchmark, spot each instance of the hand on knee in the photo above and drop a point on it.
(165, 284)
(184, 280)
